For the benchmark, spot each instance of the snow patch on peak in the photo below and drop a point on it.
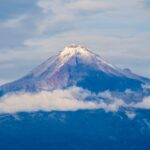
(72, 50)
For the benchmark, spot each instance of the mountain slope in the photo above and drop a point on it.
(76, 66)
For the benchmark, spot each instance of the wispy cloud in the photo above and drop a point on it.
(57, 6)
(66, 15)
(14, 22)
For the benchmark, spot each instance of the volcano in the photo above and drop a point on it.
(77, 66)
(33, 122)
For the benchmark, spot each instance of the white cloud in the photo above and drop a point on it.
(58, 100)
(130, 115)
(71, 99)
(144, 104)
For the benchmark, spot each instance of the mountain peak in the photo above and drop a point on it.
(73, 49)
(76, 66)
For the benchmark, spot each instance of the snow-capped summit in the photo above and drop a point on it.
(75, 52)
(80, 53)
(76, 66)
(75, 49)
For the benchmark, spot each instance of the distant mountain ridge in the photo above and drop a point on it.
(77, 66)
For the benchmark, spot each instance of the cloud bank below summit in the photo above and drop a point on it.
(72, 99)
(59, 100)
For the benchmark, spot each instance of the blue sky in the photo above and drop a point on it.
(33, 30)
